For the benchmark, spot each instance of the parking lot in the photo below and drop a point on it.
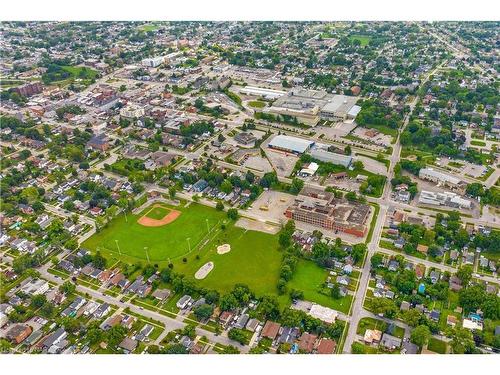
(273, 204)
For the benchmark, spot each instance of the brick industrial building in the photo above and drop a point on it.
(29, 89)
(322, 209)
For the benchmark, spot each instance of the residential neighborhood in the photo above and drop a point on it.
(249, 188)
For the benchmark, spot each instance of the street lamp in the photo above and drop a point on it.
(189, 243)
(208, 228)
(147, 255)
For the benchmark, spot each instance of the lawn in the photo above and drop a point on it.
(437, 346)
(149, 27)
(158, 213)
(309, 278)
(254, 258)
(256, 104)
(363, 39)
(168, 241)
(370, 323)
(478, 143)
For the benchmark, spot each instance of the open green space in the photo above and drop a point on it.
(310, 279)
(254, 258)
(168, 241)
(256, 104)
(478, 143)
(370, 323)
(437, 346)
(66, 74)
(149, 27)
(158, 213)
(364, 40)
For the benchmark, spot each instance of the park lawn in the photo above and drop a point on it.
(256, 104)
(437, 346)
(309, 278)
(163, 243)
(148, 27)
(75, 71)
(254, 260)
(363, 39)
(478, 143)
(370, 323)
(158, 213)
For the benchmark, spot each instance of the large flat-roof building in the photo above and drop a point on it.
(290, 144)
(331, 157)
(441, 178)
(262, 92)
(311, 106)
(322, 209)
(339, 108)
(445, 199)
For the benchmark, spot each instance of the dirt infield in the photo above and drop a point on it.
(223, 249)
(204, 271)
(167, 219)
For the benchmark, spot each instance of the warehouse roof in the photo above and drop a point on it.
(290, 143)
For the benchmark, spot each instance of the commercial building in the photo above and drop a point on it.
(29, 89)
(311, 106)
(443, 179)
(331, 157)
(131, 111)
(245, 138)
(35, 286)
(262, 92)
(290, 144)
(309, 170)
(339, 108)
(444, 199)
(153, 62)
(322, 209)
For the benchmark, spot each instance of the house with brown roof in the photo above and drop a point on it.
(307, 342)
(117, 278)
(225, 317)
(451, 320)
(422, 248)
(326, 346)
(104, 276)
(420, 270)
(271, 330)
(18, 333)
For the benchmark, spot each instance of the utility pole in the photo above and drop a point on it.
(189, 243)
(118, 247)
(147, 254)
(208, 228)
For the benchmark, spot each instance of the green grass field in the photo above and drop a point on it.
(254, 258)
(363, 39)
(437, 346)
(256, 104)
(370, 323)
(478, 143)
(168, 241)
(158, 213)
(149, 27)
(309, 278)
